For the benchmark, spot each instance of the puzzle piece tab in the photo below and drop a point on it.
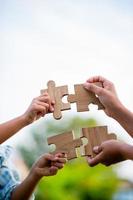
(56, 94)
(83, 98)
(65, 143)
(95, 136)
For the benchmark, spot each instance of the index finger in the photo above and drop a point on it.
(96, 79)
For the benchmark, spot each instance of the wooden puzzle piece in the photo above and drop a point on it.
(65, 143)
(83, 98)
(95, 136)
(56, 94)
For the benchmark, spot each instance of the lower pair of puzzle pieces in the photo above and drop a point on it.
(66, 143)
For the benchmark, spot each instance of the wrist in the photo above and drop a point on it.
(36, 174)
(22, 121)
(27, 119)
(125, 118)
(118, 110)
(34, 177)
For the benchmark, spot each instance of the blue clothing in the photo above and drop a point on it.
(9, 177)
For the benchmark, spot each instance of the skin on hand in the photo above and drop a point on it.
(107, 95)
(48, 165)
(110, 152)
(38, 108)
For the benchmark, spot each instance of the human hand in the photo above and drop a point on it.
(110, 152)
(107, 95)
(38, 108)
(48, 165)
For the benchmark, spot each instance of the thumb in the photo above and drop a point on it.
(92, 88)
(94, 161)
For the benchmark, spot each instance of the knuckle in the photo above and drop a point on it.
(111, 84)
(100, 91)
(91, 86)
(34, 105)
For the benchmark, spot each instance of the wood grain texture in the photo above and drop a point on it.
(65, 143)
(95, 137)
(83, 98)
(56, 94)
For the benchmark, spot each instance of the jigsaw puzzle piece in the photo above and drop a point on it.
(83, 98)
(95, 136)
(56, 94)
(65, 143)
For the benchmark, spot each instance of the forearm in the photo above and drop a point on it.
(127, 151)
(9, 128)
(25, 189)
(125, 118)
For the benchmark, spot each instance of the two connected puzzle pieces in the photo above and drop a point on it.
(82, 98)
(66, 143)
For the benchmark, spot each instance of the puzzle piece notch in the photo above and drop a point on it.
(65, 143)
(95, 136)
(56, 94)
(83, 98)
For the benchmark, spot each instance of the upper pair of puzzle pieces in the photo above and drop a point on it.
(82, 98)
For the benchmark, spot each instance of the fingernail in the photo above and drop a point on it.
(95, 149)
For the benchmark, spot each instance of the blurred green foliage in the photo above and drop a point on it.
(76, 181)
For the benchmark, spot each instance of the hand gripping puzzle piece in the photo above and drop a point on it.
(95, 137)
(65, 143)
(83, 98)
(56, 94)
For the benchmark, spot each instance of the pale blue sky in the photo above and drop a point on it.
(67, 41)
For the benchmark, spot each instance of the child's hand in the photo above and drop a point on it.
(110, 152)
(107, 95)
(38, 108)
(48, 165)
